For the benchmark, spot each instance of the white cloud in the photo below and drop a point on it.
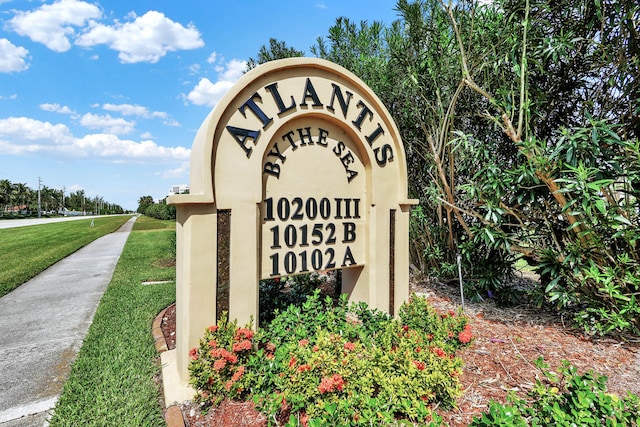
(128, 109)
(21, 135)
(212, 58)
(146, 39)
(74, 188)
(140, 111)
(12, 96)
(24, 129)
(52, 24)
(171, 122)
(209, 93)
(12, 58)
(106, 145)
(108, 124)
(56, 108)
(178, 172)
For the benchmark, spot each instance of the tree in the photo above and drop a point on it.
(568, 198)
(76, 201)
(276, 50)
(143, 203)
(5, 194)
(20, 194)
(520, 126)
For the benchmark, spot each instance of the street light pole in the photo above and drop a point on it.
(39, 202)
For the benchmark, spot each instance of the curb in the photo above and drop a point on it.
(173, 415)
(156, 331)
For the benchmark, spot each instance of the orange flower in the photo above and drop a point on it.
(419, 365)
(465, 335)
(326, 385)
(193, 353)
(242, 345)
(213, 328)
(349, 346)
(337, 381)
(439, 352)
(238, 374)
(303, 343)
(219, 364)
(243, 333)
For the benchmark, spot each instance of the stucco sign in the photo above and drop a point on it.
(298, 169)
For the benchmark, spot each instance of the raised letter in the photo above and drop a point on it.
(307, 135)
(349, 232)
(365, 112)
(310, 92)
(272, 169)
(241, 135)
(376, 133)
(338, 208)
(287, 137)
(275, 152)
(343, 105)
(348, 256)
(273, 89)
(322, 137)
(383, 156)
(347, 159)
(256, 110)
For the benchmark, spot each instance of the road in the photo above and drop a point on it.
(12, 223)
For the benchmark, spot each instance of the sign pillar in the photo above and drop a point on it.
(299, 168)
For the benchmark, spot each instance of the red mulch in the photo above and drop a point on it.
(500, 359)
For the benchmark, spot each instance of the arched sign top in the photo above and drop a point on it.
(247, 131)
(298, 169)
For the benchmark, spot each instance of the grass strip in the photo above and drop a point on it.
(112, 380)
(147, 223)
(27, 251)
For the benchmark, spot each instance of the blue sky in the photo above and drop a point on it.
(107, 96)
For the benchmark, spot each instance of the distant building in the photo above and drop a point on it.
(21, 209)
(179, 189)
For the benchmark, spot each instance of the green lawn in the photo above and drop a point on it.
(148, 223)
(112, 380)
(26, 251)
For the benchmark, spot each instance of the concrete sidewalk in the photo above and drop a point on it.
(43, 324)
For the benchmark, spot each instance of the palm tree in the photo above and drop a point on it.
(144, 202)
(5, 194)
(20, 193)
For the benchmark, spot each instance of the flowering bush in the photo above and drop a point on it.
(336, 365)
(450, 328)
(218, 367)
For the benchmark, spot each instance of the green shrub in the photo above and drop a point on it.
(568, 399)
(278, 294)
(218, 365)
(161, 211)
(336, 364)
